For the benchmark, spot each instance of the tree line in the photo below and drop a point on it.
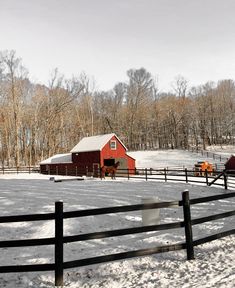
(38, 121)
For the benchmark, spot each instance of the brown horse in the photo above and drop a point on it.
(109, 170)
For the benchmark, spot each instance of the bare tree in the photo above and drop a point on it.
(139, 95)
(14, 73)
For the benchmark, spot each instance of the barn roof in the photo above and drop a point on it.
(94, 143)
(58, 158)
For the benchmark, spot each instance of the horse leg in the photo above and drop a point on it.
(102, 173)
(114, 173)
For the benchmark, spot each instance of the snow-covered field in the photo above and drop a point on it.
(225, 151)
(178, 158)
(214, 265)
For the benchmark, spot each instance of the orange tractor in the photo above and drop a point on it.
(201, 167)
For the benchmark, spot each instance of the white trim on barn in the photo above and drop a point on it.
(94, 143)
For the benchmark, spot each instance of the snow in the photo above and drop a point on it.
(58, 158)
(214, 264)
(169, 158)
(225, 151)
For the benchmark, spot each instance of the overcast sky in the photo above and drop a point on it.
(105, 38)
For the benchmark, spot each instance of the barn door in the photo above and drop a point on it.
(123, 163)
(96, 170)
(122, 168)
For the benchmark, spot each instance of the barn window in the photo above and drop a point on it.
(113, 144)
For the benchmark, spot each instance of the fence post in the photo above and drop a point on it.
(186, 175)
(59, 257)
(165, 174)
(128, 173)
(225, 180)
(146, 174)
(187, 225)
(206, 174)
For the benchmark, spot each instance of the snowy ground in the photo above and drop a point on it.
(225, 151)
(214, 265)
(177, 158)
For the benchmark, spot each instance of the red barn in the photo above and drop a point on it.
(230, 164)
(89, 155)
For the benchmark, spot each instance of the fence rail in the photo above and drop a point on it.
(59, 240)
(219, 178)
(17, 170)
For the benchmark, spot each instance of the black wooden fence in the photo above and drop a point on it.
(220, 178)
(217, 177)
(18, 170)
(58, 241)
(176, 174)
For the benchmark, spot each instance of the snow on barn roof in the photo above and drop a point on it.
(94, 143)
(58, 158)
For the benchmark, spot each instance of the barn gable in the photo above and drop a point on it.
(94, 143)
